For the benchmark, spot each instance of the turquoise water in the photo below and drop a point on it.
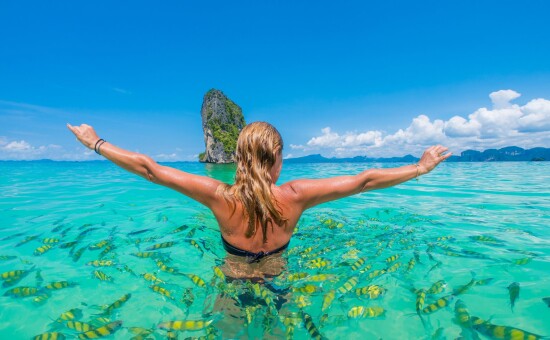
(464, 223)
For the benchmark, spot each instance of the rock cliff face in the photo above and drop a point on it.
(222, 121)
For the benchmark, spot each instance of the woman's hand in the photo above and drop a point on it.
(432, 157)
(85, 134)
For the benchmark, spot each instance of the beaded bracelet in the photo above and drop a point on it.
(96, 147)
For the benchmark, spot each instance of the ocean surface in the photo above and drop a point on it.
(388, 264)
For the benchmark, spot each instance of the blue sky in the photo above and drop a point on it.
(336, 78)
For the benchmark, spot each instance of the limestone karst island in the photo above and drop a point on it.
(222, 121)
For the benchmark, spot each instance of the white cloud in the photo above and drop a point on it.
(296, 147)
(537, 116)
(16, 146)
(23, 150)
(501, 99)
(351, 139)
(328, 138)
(503, 125)
(460, 127)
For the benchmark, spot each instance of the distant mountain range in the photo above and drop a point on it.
(507, 154)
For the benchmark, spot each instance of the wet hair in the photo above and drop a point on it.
(258, 145)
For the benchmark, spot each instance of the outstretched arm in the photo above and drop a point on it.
(200, 188)
(310, 192)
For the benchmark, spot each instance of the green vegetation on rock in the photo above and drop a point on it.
(226, 133)
(224, 120)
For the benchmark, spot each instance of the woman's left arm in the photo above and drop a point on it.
(200, 188)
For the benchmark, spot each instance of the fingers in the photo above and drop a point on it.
(444, 157)
(441, 149)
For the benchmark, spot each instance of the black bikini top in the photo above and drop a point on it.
(250, 256)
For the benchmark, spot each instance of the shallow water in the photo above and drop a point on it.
(464, 223)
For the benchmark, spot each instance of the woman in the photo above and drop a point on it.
(256, 217)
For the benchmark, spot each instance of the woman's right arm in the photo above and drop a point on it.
(311, 192)
(200, 188)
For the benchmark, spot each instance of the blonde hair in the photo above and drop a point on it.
(258, 145)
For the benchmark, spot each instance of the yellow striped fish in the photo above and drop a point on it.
(42, 250)
(218, 272)
(26, 239)
(322, 277)
(21, 291)
(117, 304)
(101, 263)
(462, 289)
(463, 319)
(296, 276)
(365, 312)
(191, 233)
(78, 254)
(196, 245)
(301, 301)
(100, 321)
(140, 332)
(13, 273)
(60, 285)
(50, 336)
(79, 326)
(375, 273)
(411, 264)
(393, 267)
(348, 285)
(71, 314)
(196, 280)
(263, 293)
(366, 269)
(357, 264)
(420, 298)
(98, 274)
(161, 245)
(162, 266)
(311, 328)
(440, 303)
(41, 298)
(318, 263)
(107, 249)
(437, 287)
(502, 332)
(392, 258)
(98, 245)
(485, 238)
(522, 261)
(179, 229)
(152, 278)
(184, 325)
(327, 299)
(102, 331)
(372, 291)
(145, 254)
(307, 289)
(162, 291)
(49, 240)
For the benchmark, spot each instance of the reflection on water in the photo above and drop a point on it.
(222, 172)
